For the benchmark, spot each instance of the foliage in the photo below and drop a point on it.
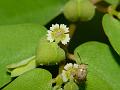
(87, 56)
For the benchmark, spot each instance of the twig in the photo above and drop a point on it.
(71, 56)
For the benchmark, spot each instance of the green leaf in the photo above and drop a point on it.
(113, 2)
(95, 82)
(29, 11)
(103, 69)
(17, 42)
(21, 67)
(112, 30)
(37, 79)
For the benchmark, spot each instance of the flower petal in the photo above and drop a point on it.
(75, 66)
(64, 76)
(68, 66)
(54, 27)
(49, 37)
(49, 31)
(63, 27)
(67, 39)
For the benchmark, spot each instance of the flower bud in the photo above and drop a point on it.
(49, 52)
(70, 11)
(87, 10)
(76, 10)
(71, 86)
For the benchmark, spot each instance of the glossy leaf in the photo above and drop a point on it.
(29, 11)
(17, 42)
(37, 79)
(112, 30)
(103, 69)
(21, 67)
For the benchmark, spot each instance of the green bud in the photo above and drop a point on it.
(86, 10)
(70, 11)
(71, 86)
(76, 10)
(49, 52)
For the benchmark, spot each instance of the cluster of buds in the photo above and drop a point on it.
(72, 73)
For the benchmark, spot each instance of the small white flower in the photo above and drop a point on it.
(64, 76)
(75, 66)
(58, 33)
(68, 66)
